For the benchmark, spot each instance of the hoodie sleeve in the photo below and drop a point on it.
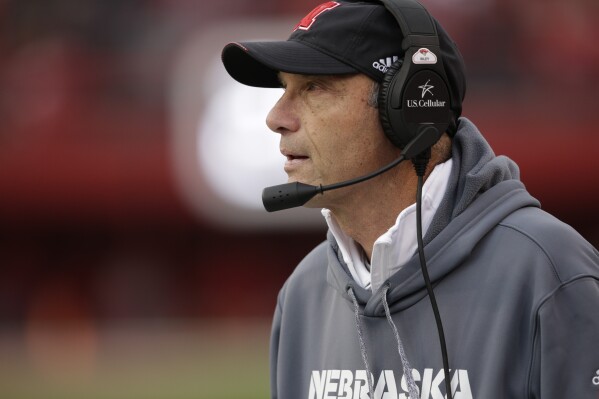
(274, 346)
(566, 358)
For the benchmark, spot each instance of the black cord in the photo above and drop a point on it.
(420, 163)
(377, 172)
(426, 137)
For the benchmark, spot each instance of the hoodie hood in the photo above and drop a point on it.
(483, 189)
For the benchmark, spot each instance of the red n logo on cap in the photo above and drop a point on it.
(309, 19)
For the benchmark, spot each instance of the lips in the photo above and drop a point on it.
(294, 160)
(294, 157)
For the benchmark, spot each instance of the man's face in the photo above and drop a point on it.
(329, 132)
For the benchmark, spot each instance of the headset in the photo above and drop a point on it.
(415, 92)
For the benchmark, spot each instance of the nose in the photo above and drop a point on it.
(283, 118)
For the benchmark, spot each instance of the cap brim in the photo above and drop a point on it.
(258, 63)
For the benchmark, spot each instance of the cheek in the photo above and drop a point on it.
(347, 148)
(364, 129)
(346, 140)
(326, 133)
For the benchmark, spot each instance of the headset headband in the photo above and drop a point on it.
(414, 21)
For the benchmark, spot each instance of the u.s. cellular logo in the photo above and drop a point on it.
(352, 384)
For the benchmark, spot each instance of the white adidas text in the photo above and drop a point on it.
(384, 63)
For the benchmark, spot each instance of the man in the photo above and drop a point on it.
(517, 290)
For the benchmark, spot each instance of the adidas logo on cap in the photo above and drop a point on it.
(383, 64)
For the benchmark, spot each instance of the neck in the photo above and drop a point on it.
(369, 210)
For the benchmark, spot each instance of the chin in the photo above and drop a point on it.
(299, 179)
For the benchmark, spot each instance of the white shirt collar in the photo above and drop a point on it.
(398, 244)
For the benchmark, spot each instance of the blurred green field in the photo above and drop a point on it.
(136, 360)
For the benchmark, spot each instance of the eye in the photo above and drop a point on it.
(313, 86)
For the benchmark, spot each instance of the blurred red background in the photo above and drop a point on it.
(92, 226)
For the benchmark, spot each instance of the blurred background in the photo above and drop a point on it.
(135, 261)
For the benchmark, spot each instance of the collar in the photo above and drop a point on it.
(398, 244)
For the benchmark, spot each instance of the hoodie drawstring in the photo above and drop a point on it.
(412, 388)
(407, 369)
(361, 339)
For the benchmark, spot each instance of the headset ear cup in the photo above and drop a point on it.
(383, 100)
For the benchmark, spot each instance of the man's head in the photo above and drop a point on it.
(339, 38)
(329, 129)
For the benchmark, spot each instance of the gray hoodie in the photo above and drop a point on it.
(518, 293)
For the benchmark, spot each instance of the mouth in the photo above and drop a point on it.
(294, 160)
(295, 157)
(291, 155)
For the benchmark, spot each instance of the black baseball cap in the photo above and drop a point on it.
(338, 37)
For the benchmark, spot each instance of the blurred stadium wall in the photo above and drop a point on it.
(135, 261)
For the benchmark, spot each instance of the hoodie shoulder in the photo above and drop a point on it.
(310, 270)
(316, 258)
(570, 255)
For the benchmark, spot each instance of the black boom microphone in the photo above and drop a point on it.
(291, 195)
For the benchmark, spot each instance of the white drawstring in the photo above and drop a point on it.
(407, 369)
(361, 339)
(412, 388)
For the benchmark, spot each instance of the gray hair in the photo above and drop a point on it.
(373, 96)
